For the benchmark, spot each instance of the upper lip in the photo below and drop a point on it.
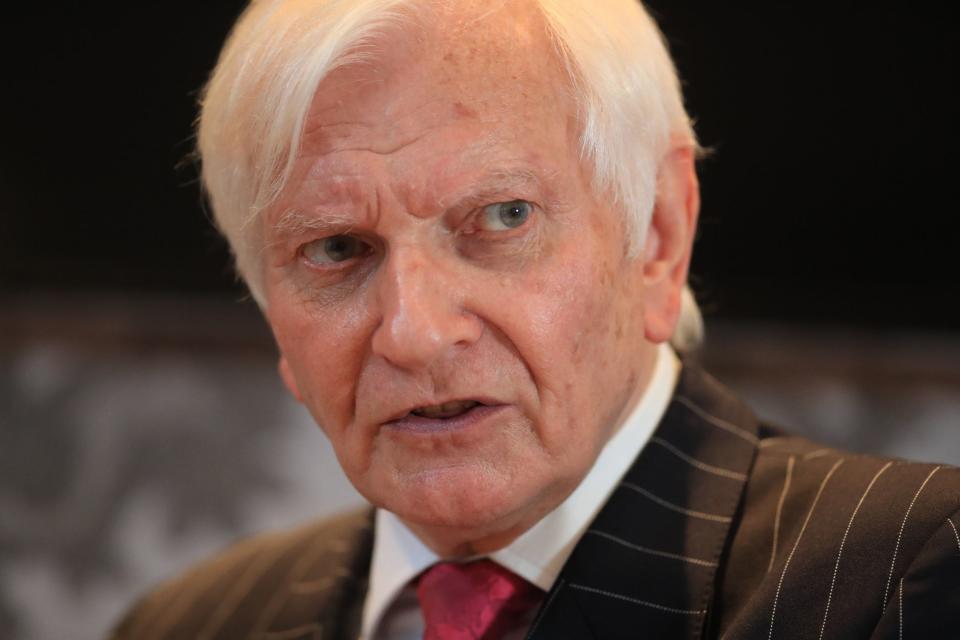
(432, 403)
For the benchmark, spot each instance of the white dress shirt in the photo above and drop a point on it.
(391, 610)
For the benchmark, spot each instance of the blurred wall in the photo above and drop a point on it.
(139, 435)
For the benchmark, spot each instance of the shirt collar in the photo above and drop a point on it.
(539, 554)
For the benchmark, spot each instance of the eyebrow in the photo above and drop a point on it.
(493, 184)
(293, 222)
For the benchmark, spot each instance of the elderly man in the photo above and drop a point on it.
(468, 224)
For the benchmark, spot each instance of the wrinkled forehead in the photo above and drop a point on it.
(491, 62)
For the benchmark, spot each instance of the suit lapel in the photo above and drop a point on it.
(647, 565)
(342, 605)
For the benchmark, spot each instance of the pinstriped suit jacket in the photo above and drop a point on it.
(721, 529)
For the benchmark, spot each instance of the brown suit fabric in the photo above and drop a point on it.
(722, 528)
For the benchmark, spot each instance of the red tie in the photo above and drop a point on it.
(475, 601)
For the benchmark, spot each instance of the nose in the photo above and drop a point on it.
(424, 318)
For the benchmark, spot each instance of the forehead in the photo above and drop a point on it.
(475, 72)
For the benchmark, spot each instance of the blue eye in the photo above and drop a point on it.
(334, 249)
(503, 216)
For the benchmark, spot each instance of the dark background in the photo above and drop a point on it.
(828, 198)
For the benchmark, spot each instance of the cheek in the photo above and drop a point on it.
(324, 351)
(586, 318)
(563, 325)
(582, 342)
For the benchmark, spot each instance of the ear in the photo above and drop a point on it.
(288, 378)
(669, 242)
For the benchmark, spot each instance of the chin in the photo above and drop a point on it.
(466, 498)
(461, 512)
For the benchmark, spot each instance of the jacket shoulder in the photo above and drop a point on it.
(868, 488)
(268, 583)
(825, 537)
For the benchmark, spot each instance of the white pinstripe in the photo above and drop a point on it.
(653, 552)
(901, 608)
(652, 605)
(776, 522)
(699, 464)
(819, 453)
(717, 421)
(955, 534)
(239, 590)
(836, 567)
(156, 626)
(903, 525)
(773, 441)
(776, 598)
(294, 578)
(673, 507)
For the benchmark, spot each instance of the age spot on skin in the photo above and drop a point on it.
(463, 110)
(606, 276)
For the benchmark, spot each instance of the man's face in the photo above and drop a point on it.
(451, 301)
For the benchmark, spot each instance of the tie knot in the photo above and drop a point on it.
(473, 601)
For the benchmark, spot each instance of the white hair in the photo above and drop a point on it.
(258, 98)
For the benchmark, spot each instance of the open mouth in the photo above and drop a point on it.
(446, 410)
(446, 417)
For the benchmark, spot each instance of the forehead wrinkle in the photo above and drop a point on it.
(375, 137)
(348, 80)
(490, 90)
(461, 43)
(380, 151)
(316, 125)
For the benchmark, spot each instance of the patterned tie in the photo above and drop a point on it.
(475, 601)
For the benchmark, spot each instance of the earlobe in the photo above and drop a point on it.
(283, 367)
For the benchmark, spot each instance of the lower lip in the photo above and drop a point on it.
(428, 426)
